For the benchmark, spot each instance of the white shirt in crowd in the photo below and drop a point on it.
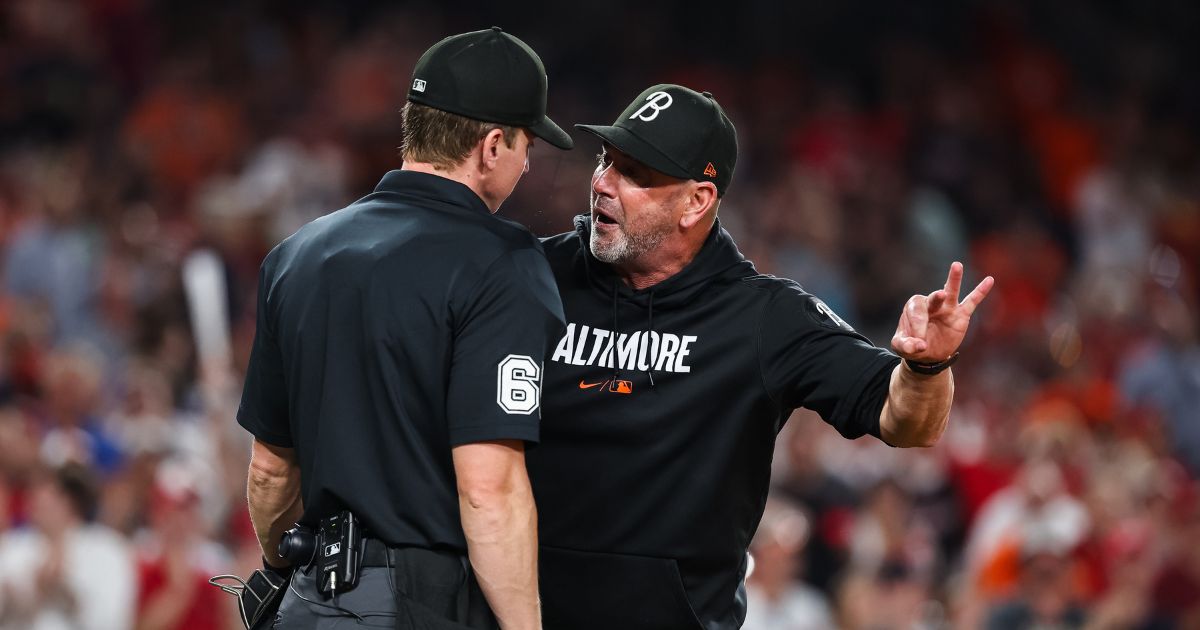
(98, 569)
(800, 608)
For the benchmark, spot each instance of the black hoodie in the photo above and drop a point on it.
(656, 447)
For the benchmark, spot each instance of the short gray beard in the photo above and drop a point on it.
(626, 247)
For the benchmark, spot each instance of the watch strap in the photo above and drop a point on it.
(930, 369)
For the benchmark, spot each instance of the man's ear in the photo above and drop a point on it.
(490, 146)
(700, 199)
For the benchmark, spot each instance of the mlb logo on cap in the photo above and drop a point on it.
(489, 76)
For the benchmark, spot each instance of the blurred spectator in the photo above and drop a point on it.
(802, 476)
(891, 595)
(53, 259)
(889, 536)
(183, 131)
(1162, 374)
(176, 558)
(73, 431)
(295, 181)
(888, 581)
(63, 571)
(19, 445)
(1175, 591)
(1037, 508)
(776, 599)
(1046, 596)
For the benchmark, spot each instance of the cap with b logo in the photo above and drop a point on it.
(487, 75)
(677, 131)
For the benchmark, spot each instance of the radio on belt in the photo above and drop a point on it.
(340, 553)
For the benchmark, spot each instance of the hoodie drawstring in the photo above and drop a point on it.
(616, 329)
(650, 327)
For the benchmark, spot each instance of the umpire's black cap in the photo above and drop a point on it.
(487, 75)
(677, 131)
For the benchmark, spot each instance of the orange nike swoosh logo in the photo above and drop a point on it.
(585, 385)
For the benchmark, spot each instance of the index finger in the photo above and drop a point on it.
(954, 282)
(975, 297)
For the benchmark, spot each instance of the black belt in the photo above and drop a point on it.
(375, 553)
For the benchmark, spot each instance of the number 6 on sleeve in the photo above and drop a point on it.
(518, 384)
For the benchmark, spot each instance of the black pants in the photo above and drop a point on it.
(424, 590)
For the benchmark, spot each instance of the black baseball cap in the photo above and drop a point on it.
(487, 75)
(677, 131)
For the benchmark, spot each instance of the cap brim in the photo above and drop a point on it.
(552, 133)
(629, 144)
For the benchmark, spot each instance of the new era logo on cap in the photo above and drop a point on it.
(710, 170)
(418, 85)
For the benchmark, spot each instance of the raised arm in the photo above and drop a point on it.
(930, 330)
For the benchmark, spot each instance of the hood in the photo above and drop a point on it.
(718, 261)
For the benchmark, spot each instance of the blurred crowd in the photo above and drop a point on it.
(152, 152)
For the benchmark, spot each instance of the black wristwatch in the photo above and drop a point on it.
(929, 369)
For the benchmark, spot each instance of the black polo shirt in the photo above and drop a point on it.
(390, 331)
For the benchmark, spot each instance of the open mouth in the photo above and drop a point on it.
(599, 216)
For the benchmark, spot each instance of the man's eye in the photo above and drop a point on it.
(603, 159)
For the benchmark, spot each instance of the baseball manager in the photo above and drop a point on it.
(679, 365)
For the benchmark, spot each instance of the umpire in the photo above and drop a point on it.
(396, 369)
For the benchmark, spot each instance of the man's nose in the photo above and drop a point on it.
(602, 182)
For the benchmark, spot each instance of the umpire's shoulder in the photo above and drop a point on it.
(511, 235)
(482, 241)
